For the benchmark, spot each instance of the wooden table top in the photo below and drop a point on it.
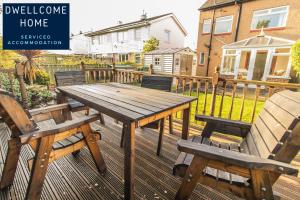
(125, 102)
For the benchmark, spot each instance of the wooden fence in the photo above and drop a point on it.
(51, 69)
(227, 98)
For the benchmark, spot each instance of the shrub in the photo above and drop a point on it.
(41, 78)
(296, 58)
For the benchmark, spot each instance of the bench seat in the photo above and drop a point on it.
(184, 160)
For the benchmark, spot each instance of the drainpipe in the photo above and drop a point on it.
(240, 3)
(210, 41)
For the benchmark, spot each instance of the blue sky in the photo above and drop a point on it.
(89, 15)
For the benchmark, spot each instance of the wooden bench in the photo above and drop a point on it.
(159, 83)
(248, 169)
(49, 134)
(65, 78)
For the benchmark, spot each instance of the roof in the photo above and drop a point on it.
(135, 24)
(211, 4)
(166, 51)
(260, 41)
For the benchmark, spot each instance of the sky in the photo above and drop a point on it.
(87, 15)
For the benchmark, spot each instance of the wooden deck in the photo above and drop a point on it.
(77, 177)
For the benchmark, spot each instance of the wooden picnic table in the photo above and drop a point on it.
(135, 107)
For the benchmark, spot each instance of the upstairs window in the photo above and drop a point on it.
(137, 34)
(223, 24)
(206, 26)
(108, 38)
(122, 36)
(270, 18)
(168, 36)
(93, 40)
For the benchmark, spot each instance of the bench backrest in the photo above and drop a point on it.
(13, 114)
(65, 78)
(276, 131)
(157, 82)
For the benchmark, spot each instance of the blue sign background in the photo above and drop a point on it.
(58, 28)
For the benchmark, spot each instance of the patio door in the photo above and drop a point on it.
(259, 65)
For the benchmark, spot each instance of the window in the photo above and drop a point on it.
(122, 36)
(270, 18)
(168, 36)
(201, 58)
(108, 38)
(137, 34)
(206, 26)
(280, 62)
(156, 61)
(138, 58)
(223, 24)
(100, 39)
(177, 61)
(229, 61)
(93, 39)
(123, 57)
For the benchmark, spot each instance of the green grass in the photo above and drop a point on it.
(237, 104)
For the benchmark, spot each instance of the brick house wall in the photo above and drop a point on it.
(291, 31)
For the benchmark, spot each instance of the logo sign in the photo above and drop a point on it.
(36, 26)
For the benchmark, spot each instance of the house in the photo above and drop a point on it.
(230, 36)
(172, 61)
(125, 42)
(80, 44)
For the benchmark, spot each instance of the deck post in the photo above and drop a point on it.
(214, 82)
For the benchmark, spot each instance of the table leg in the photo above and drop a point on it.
(129, 160)
(185, 123)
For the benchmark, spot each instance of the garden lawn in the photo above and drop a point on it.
(237, 104)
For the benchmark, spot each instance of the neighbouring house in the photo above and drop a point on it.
(125, 42)
(230, 37)
(172, 61)
(80, 44)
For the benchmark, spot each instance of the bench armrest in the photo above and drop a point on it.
(48, 109)
(226, 125)
(68, 125)
(235, 158)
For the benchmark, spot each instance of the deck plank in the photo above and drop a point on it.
(77, 177)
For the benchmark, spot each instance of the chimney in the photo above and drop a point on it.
(143, 16)
(120, 22)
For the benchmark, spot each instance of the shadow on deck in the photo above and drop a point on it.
(77, 177)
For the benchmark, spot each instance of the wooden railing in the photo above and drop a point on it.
(227, 98)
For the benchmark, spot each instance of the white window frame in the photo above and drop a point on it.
(235, 68)
(168, 36)
(269, 10)
(109, 38)
(201, 58)
(288, 67)
(220, 20)
(138, 30)
(206, 22)
(157, 61)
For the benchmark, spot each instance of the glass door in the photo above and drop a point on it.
(259, 65)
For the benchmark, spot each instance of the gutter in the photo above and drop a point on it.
(240, 3)
(210, 41)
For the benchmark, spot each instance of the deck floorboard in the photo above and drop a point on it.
(77, 177)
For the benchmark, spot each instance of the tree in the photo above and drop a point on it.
(296, 58)
(30, 66)
(7, 57)
(150, 45)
